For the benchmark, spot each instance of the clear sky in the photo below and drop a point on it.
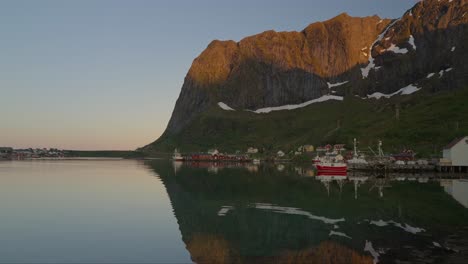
(106, 74)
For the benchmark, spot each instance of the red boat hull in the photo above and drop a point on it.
(332, 170)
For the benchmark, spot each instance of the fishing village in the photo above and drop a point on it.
(336, 159)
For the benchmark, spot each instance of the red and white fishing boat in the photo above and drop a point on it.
(331, 164)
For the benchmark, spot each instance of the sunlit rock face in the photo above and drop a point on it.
(274, 68)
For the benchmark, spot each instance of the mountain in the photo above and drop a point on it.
(343, 69)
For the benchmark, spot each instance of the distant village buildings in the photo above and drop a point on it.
(308, 148)
(19, 154)
(213, 152)
(252, 150)
(5, 152)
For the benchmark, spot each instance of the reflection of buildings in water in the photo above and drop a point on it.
(447, 185)
(280, 167)
(252, 167)
(458, 189)
(423, 179)
(306, 172)
(214, 167)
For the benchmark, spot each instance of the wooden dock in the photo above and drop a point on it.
(391, 167)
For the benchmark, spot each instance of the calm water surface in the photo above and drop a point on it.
(162, 212)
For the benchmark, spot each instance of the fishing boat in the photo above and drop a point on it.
(357, 159)
(331, 167)
(331, 164)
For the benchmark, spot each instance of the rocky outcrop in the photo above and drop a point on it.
(429, 38)
(274, 68)
(425, 47)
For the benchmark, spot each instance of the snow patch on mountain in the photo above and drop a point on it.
(225, 106)
(441, 72)
(395, 49)
(330, 85)
(411, 42)
(296, 106)
(403, 91)
(371, 64)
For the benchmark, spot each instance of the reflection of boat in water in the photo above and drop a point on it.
(330, 177)
(327, 177)
(357, 180)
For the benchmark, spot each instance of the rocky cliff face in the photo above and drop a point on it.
(274, 68)
(429, 38)
(370, 53)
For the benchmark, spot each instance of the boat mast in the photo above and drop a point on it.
(355, 148)
(380, 149)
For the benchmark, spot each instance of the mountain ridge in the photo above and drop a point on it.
(368, 55)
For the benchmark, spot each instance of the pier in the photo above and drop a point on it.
(392, 167)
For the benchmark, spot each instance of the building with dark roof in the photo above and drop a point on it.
(456, 152)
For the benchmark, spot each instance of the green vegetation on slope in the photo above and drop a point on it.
(426, 123)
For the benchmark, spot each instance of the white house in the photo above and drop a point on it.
(456, 153)
(213, 152)
(252, 150)
(280, 154)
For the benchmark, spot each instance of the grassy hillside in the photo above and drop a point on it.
(427, 122)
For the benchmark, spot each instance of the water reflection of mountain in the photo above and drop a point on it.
(245, 215)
